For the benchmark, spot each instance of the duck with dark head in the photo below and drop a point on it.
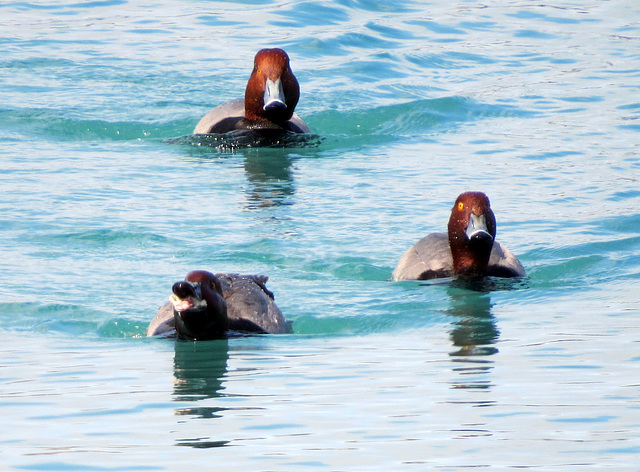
(207, 306)
(269, 102)
(469, 249)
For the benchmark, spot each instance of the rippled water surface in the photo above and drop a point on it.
(106, 201)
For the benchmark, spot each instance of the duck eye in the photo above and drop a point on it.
(460, 206)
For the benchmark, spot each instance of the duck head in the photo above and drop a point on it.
(472, 231)
(272, 91)
(199, 308)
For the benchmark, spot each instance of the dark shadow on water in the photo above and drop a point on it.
(198, 444)
(244, 139)
(489, 284)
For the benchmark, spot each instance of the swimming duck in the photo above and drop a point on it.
(208, 306)
(269, 101)
(468, 250)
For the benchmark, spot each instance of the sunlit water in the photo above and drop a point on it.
(106, 202)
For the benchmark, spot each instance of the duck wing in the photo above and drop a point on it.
(222, 118)
(251, 306)
(429, 258)
(164, 323)
(503, 263)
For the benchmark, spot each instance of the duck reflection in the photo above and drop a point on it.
(269, 173)
(474, 334)
(268, 157)
(475, 330)
(199, 368)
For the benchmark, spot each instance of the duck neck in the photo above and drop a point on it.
(210, 322)
(469, 260)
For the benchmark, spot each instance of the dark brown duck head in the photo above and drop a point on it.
(199, 308)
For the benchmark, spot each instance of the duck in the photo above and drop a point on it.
(269, 101)
(207, 306)
(468, 250)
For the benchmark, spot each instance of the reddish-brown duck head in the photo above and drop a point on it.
(272, 91)
(472, 231)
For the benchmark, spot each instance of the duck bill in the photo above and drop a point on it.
(477, 228)
(274, 95)
(187, 297)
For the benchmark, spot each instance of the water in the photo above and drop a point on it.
(412, 103)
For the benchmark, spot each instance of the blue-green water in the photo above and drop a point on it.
(412, 103)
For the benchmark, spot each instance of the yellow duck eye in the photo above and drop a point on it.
(460, 206)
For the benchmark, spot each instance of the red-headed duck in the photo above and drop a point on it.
(468, 250)
(270, 98)
(207, 306)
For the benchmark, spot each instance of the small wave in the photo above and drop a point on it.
(66, 127)
(68, 320)
(417, 117)
(102, 238)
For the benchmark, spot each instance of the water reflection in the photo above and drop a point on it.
(271, 179)
(268, 159)
(199, 369)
